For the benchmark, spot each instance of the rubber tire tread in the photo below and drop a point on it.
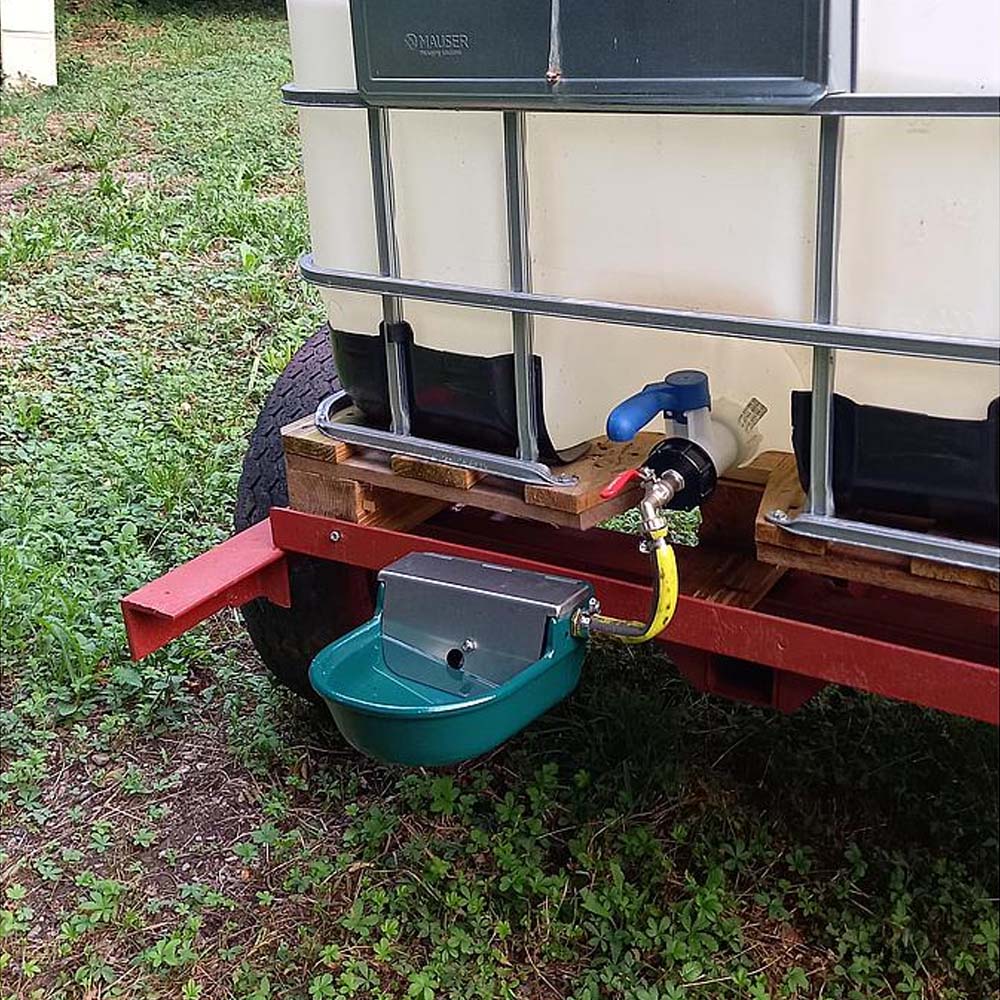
(287, 639)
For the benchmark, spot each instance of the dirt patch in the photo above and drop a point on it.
(103, 43)
(283, 185)
(60, 124)
(18, 191)
(142, 138)
(8, 138)
(30, 330)
(182, 855)
(74, 168)
(133, 180)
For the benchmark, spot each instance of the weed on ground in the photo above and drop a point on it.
(181, 828)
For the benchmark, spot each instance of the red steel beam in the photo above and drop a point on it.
(243, 567)
(825, 654)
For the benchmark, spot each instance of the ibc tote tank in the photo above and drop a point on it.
(707, 212)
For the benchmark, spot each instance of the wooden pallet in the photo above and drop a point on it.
(318, 467)
(743, 553)
(333, 479)
(975, 588)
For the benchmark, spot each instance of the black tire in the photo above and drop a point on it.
(328, 599)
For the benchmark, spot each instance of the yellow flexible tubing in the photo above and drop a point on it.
(667, 588)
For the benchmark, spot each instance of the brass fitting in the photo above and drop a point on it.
(658, 491)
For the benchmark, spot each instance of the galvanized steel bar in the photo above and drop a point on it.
(388, 259)
(306, 97)
(909, 105)
(915, 544)
(433, 451)
(820, 499)
(845, 105)
(523, 329)
(921, 345)
(824, 359)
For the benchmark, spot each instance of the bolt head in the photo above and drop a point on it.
(335, 536)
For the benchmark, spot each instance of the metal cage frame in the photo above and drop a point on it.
(819, 519)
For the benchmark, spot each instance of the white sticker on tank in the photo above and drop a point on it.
(751, 414)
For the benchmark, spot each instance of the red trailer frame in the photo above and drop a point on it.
(808, 632)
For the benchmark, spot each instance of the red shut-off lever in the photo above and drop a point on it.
(620, 483)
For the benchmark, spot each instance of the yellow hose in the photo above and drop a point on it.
(665, 601)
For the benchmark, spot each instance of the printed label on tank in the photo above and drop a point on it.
(435, 44)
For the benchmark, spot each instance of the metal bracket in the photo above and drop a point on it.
(505, 466)
(952, 551)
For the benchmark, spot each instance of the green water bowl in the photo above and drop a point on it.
(402, 721)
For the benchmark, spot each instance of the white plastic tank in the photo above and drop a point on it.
(706, 212)
(28, 43)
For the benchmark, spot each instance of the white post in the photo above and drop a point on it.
(28, 43)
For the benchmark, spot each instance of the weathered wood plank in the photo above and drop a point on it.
(313, 491)
(302, 438)
(594, 471)
(434, 472)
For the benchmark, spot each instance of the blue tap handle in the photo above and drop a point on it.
(679, 393)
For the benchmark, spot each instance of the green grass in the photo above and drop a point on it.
(180, 828)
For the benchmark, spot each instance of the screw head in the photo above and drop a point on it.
(778, 515)
(335, 536)
(469, 645)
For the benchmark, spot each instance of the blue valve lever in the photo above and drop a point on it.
(676, 396)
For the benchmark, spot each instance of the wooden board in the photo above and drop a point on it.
(594, 471)
(724, 576)
(434, 472)
(314, 492)
(373, 488)
(784, 492)
(975, 588)
(730, 513)
(302, 438)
